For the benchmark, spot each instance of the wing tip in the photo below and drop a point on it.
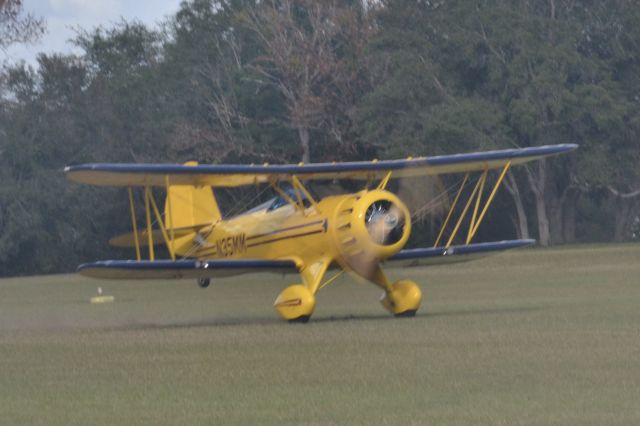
(565, 147)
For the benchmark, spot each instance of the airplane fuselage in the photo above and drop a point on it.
(335, 228)
(287, 232)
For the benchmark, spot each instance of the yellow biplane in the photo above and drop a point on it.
(295, 232)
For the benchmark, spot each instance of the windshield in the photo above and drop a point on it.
(277, 202)
(259, 207)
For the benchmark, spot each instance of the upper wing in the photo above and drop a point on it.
(107, 174)
(453, 254)
(167, 269)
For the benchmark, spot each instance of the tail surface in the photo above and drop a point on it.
(187, 210)
(188, 206)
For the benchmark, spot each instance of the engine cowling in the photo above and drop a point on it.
(369, 227)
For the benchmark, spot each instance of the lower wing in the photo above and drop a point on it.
(452, 254)
(190, 268)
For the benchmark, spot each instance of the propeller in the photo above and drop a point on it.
(425, 196)
(384, 222)
(426, 199)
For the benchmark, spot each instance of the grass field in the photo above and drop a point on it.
(529, 337)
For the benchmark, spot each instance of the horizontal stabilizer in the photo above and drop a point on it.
(169, 269)
(128, 240)
(453, 254)
(230, 175)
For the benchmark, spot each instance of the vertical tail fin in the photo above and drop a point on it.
(189, 206)
(187, 210)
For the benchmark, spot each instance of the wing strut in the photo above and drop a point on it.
(385, 180)
(147, 212)
(472, 232)
(298, 189)
(475, 197)
(149, 205)
(134, 224)
(163, 229)
(172, 249)
(453, 206)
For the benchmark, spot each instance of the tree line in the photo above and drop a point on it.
(246, 81)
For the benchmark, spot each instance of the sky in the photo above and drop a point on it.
(62, 16)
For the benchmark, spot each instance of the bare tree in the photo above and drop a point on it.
(227, 132)
(312, 51)
(627, 205)
(16, 26)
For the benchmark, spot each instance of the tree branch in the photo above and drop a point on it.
(624, 195)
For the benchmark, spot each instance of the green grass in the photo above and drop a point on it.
(529, 337)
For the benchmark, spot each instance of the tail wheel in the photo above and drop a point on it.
(403, 300)
(204, 282)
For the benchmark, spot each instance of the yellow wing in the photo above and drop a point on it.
(224, 175)
(185, 268)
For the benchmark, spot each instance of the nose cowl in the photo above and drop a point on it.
(369, 227)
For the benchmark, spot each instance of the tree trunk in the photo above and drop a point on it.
(569, 217)
(622, 219)
(543, 221)
(537, 184)
(626, 205)
(303, 133)
(555, 216)
(522, 226)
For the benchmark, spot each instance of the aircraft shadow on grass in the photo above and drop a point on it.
(230, 322)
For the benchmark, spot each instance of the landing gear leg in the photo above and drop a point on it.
(402, 298)
(204, 282)
(296, 303)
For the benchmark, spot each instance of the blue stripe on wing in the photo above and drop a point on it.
(190, 264)
(469, 249)
(358, 166)
(168, 269)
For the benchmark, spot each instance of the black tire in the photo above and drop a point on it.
(406, 314)
(300, 320)
(204, 282)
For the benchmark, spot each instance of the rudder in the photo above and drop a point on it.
(189, 206)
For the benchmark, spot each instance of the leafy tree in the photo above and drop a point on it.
(127, 119)
(220, 114)
(276, 81)
(497, 74)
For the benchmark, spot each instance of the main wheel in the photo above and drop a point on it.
(403, 300)
(295, 303)
(204, 282)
